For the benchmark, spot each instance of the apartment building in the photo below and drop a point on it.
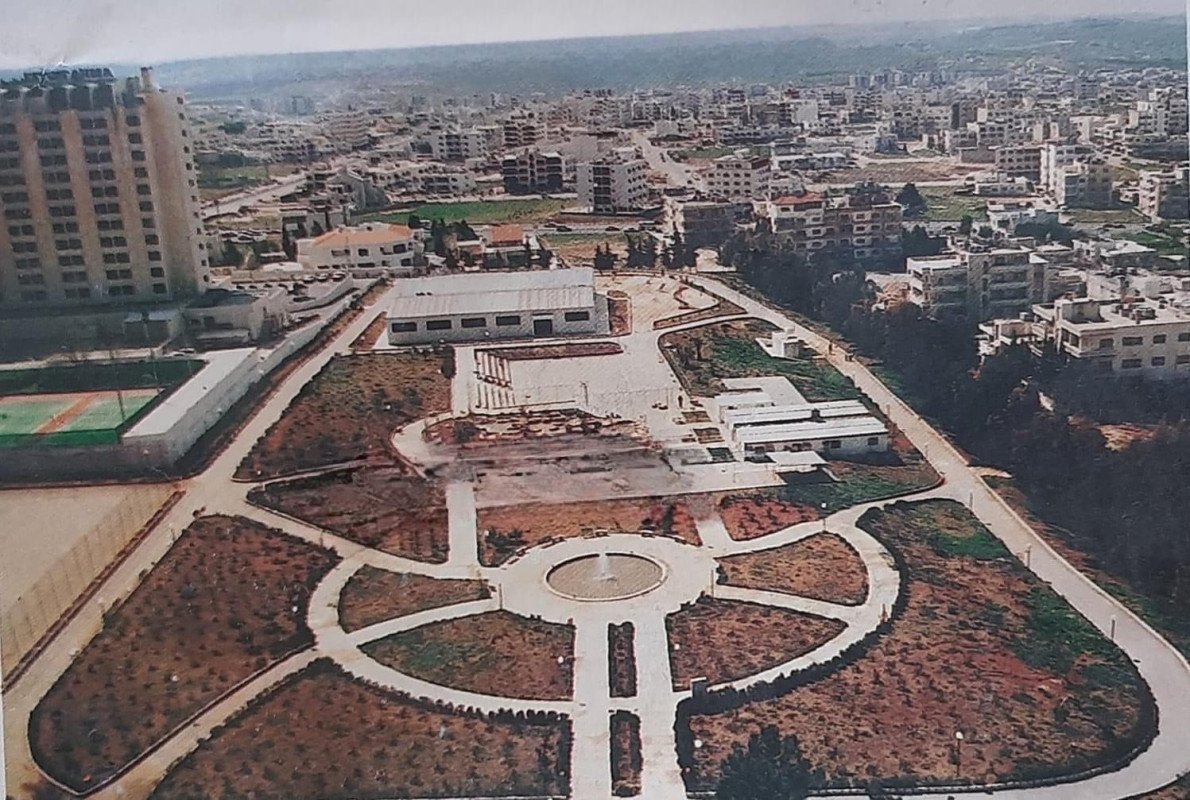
(522, 131)
(1018, 161)
(533, 172)
(739, 177)
(705, 223)
(1163, 111)
(613, 183)
(458, 145)
(1084, 184)
(978, 282)
(1164, 195)
(98, 192)
(866, 227)
(1145, 337)
(370, 247)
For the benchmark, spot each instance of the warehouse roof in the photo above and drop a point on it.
(494, 292)
(803, 431)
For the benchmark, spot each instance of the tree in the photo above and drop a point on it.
(414, 221)
(912, 200)
(770, 768)
(965, 223)
(231, 254)
(918, 242)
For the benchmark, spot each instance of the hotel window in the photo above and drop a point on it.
(438, 325)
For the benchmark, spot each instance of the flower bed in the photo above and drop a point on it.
(498, 653)
(981, 646)
(506, 529)
(349, 411)
(621, 655)
(374, 595)
(379, 507)
(750, 515)
(723, 308)
(551, 351)
(227, 600)
(625, 754)
(724, 640)
(822, 567)
(323, 734)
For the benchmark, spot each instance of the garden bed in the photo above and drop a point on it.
(371, 335)
(475, 429)
(625, 754)
(227, 600)
(724, 640)
(823, 567)
(349, 411)
(750, 515)
(505, 530)
(323, 734)
(862, 483)
(374, 595)
(982, 646)
(621, 656)
(723, 308)
(702, 357)
(498, 653)
(553, 351)
(380, 507)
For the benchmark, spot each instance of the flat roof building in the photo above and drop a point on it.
(373, 246)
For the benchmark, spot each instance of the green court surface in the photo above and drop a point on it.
(19, 416)
(104, 413)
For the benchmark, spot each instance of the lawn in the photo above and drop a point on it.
(498, 653)
(823, 567)
(385, 508)
(944, 205)
(323, 734)
(702, 357)
(374, 595)
(476, 212)
(349, 411)
(20, 416)
(227, 600)
(724, 640)
(1100, 216)
(863, 483)
(1163, 244)
(981, 646)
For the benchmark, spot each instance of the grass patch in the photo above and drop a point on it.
(862, 483)
(944, 205)
(1058, 635)
(981, 546)
(477, 212)
(1163, 244)
(232, 177)
(1100, 216)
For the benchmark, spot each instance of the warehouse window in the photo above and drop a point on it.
(438, 325)
(403, 327)
(508, 319)
(578, 316)
(474, 322)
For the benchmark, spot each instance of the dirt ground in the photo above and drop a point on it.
(497, 653)
(323, 734)
(982, 646)
(723, 640)
(215, 609)
(381, 507)
(558, 426)
(374, 595)
(505, 530)
(822, 567)
(750, 515)
(567, 350)
(626, 754)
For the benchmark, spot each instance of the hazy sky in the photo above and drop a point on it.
(45, 32)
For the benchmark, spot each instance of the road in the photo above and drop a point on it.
(676, 173)
(267, 193)
(1159, 663)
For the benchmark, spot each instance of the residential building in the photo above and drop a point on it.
(458, 145)
(739, 177)
(1084, 184)
(521, 131)
(533, 172)
(614, 183)
(705, 223)
(369, 248)
(865, 226)
(977, 281)
(1019, 160)
(497, 305)
(98, 193)
(1163, 195)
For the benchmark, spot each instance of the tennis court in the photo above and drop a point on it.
(42, 414)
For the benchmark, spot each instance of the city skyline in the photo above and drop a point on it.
(119, 31)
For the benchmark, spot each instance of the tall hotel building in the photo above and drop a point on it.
(98, 194)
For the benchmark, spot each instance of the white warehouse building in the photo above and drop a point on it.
(497, 305)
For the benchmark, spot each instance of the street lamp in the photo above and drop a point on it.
(958, 753)
(1113, 627)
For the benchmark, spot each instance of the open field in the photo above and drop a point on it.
(822, 567)
(860, 482)
(1165, 245)
(1100, 216)
(322, 734)
(723, 640)
(381, 507)
(497, 653)
(374, 595)
(577, 249)
(506, 529)
(944, 205)
(702, 357)
(349, 410)
(227, 600)
(476, 212)
(897, 172)
(982, 646)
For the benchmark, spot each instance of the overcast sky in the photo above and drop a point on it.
(46, 32)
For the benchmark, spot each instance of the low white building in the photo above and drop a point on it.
(367, 249)
(614, 183)
(739, 177)
(497, 305)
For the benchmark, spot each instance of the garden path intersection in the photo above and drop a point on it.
(576, 581)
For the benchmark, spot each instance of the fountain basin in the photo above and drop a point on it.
(605, 576)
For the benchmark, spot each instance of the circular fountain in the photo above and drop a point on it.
(605, 576)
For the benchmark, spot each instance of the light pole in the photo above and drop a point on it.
(958, 753)
(1113, 627)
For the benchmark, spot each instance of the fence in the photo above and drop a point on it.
(39, 606)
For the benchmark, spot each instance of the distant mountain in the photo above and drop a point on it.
(739, 56)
